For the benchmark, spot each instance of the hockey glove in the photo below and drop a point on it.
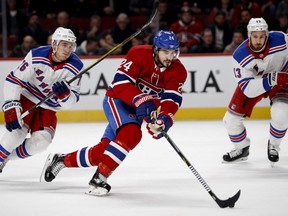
(12, 114)
(144, 104)
(279, 78)
(162, 123)
(61, 90)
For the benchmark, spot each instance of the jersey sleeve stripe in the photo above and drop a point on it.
(243, 83)
(171, 96)
(170, 100)
(41, 60)
(266, 84)
(119, 83)
(285, 67)
(11, 78)
(277, 49)
(173, 92)
(246, 60)
(71, 69)
(76, 94)
(123, 76)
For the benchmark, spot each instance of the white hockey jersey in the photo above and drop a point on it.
(251, 69)
(35, 75)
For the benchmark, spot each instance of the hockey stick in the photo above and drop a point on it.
(98, 60)
(230, 202)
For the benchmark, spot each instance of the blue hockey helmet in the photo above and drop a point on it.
(166, 40)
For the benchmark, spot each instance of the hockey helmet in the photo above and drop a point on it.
(64, 34)
(166, 40)
(257, 24)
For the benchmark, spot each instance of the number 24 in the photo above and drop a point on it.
(126, 65)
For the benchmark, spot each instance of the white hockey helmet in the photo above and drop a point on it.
(64, 34)
(257, 24)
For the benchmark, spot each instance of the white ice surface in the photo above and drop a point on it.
(153, 180)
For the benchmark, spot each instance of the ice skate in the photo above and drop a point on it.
(236, 155)
(2, 165)
(98, 185)
(273, 153)
(54, 164)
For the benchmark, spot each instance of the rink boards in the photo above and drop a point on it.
(206, 92)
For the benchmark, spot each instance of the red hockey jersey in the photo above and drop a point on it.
(139, 74)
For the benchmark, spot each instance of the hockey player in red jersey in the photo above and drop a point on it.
(43, 70)
(260, 67)
(149, 78)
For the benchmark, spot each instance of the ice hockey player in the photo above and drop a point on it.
(43, 70)
(149, 77)
(260, 66)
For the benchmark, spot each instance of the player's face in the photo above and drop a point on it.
(257, 40)
(63, 50)
(166, 56)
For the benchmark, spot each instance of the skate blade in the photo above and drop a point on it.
(48, 161)
(96, 191)
(235, 161)
(272, 164)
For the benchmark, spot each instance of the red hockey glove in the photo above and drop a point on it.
(12, 114)
(144, 104)
(61, 90)
(279, 79)
(162, 123)
(282, 79)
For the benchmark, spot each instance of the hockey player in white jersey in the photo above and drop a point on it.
(260, 66)
(44, 70)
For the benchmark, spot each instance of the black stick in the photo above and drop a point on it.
(230, 202)
(98, 60)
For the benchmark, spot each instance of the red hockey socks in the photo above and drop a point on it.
(87, 156)
(126, 139)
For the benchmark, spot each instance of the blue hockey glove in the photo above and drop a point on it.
(162, 123)
(12, 114)
(61, 90)
(144, 104)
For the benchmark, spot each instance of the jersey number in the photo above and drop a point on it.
(24, 65)
(237, 73)
(126, 65)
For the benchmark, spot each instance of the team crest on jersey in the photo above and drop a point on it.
(257, 69)
(147, 87)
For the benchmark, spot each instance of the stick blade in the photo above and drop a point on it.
(230, 202)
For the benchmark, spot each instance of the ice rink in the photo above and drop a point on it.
(153, 180)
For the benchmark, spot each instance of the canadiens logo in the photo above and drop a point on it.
(147, 87)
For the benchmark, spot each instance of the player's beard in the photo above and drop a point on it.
(257, 47)
(166, 63)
